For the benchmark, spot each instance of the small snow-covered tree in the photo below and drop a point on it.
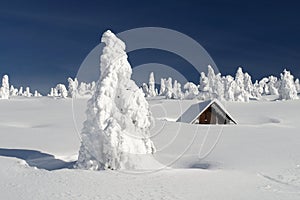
(272, 85)
(211, 79)
(231, 93)
(162, 90)
(228, 88)
(248, 85)
(242, 96)
(145, 89)
(191, 90)
(13, 91)
(92, 88)
(256, 90)
(62, 90)
(20, 92)
(152, 92)
(239, 79)
(53, 93)
(4, 90)
(204, 83)
(297, 84)
(27, 92)
(262, 86)
(82, 89)
(118, 116)
(72, 87)
(169, 88)
(36, 94)
(219, 89)
(177, 92)
(287, 88)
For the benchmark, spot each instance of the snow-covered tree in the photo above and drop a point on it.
(229, 86)
(263, 87)
(248, 85)
(256, 90)
(36, 94)
(211, 79)
(152, 92)
(53, 93)
(72, 87)
(242, 96)
(145, 89)
(92, 87)
(4, 90)
(169, 88)
(20, 92)
(118, 117)
(219, 89)
(82, 89)
(177, 92)
(204, 83)
(287, 88)
(297, 84)
(62, 90)
(27, 92)
(13, 91)
(272, 85)
(191, 90)
(162, 90)
(239, 79)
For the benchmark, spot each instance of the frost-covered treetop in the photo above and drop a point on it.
(114, 50)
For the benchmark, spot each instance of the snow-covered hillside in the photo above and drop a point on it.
(257, 159)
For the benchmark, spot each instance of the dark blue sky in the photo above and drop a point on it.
(44, 42)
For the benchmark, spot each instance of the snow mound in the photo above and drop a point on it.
(116, 132)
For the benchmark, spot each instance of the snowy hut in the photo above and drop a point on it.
(207, 112)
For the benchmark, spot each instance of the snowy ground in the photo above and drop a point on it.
(257, 159)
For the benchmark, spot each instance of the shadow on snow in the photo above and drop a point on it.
(37, 159)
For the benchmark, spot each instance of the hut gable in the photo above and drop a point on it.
(207, 112)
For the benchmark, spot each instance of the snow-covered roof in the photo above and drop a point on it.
(195, 110)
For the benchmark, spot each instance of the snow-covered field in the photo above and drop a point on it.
(257, 159)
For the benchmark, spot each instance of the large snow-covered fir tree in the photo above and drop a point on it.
(118, 117)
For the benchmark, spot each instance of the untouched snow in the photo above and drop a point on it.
(257, 159)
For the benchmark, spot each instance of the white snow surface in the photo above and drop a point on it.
(259, 158)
